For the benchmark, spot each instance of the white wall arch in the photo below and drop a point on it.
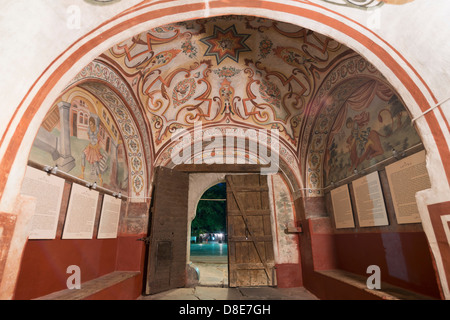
(55, 66)
(90, 46)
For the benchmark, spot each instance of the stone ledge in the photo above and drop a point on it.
(91, 287)
(387, 292)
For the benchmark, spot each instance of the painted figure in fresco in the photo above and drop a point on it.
(363, 143)
(92, 152)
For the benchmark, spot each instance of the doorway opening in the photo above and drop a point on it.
(209, 245)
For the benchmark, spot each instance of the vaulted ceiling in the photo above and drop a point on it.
(228, 72)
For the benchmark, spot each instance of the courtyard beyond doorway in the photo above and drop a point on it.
(211, 260)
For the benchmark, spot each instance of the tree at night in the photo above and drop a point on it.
(211, 215)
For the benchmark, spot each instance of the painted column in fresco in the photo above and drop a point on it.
(66, 162)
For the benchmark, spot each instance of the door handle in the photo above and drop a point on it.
(145, 239)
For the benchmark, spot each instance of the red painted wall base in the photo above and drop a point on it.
(403, 255)
(289, 275)
(44, 265)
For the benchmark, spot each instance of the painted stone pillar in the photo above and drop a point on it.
(66, 162)
(317, 246)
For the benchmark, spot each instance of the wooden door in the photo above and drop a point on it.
(166, 266)
(250, 244)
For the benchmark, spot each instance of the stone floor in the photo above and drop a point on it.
(216, 293)
(213, 271)
(213, 285)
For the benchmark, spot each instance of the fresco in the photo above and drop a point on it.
(104, 82)
(233, 70)
(370, 125)
(80, 135)
(241, 71)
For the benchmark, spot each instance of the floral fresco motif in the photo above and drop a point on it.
(226, 95)
(178, 72)
(227, 72)
(270, 93)
(294, 57)
(183, 91)
(265, 47)
(189, 49)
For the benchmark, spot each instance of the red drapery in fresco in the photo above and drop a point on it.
(361, 99)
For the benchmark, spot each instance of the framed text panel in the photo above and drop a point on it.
(369, 201)
(48, 191)
(109, 218)
(80, 218)
(406, 177)
(342, 207)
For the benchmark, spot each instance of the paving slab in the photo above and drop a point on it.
(212, 274)
(213, 285)
(174, 294)
(216, 293)
(271, 293)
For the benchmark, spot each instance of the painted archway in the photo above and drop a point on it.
(23, 125)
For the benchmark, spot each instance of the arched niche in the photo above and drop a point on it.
(400, 73)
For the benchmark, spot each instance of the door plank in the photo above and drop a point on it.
(251, 260)
(249, 212)
(264, 238)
